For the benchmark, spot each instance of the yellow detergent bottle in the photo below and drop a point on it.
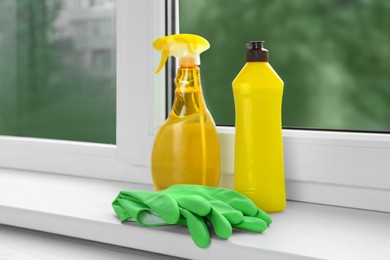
(258, 164)
(186, 147)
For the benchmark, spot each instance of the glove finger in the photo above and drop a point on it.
(161, 204)
(252, 224)
(222, 227)
(231, 197)
(237, 201)
(197, 228)
(195, 204)
(264, 216)
(232, 215)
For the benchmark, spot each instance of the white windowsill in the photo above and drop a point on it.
(24, 244)
(81, 207)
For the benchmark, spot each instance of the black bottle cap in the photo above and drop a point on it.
(255, 51)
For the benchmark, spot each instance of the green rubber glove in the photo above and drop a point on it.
(157, 209)
(231, 204)
(193, 206)
(228, 209)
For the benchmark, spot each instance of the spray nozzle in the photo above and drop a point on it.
(186, 47)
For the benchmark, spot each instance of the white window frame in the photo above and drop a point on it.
(336, 168)
(140, 109)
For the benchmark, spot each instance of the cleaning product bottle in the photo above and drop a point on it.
(258, 164)
(186, 147)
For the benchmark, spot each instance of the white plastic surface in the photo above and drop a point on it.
(81, 207)
(334, 168)
(23, 244)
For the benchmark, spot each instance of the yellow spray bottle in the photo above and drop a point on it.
(258, 164)
(186, 147)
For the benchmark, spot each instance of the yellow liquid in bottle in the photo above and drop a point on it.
(258, 169)
(186, 148)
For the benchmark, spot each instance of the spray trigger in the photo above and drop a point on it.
(164, 57)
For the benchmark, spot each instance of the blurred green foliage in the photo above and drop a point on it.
(333, 55)
(45, 90)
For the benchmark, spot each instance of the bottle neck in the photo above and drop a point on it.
(188, 77)
(188, 92)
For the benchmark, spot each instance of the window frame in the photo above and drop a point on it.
(137, 90)
(348, 169)
(336, 168)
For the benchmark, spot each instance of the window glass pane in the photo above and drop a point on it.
(57, 69)
(334, 57)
